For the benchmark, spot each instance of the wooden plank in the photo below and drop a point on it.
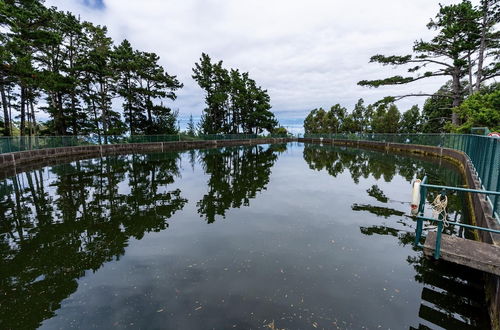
(473, 254)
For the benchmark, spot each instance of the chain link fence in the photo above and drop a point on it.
(24, 143)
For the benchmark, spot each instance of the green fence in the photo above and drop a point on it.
(483, 151)
(24, 143)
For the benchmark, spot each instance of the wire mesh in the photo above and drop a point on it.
(24, 143)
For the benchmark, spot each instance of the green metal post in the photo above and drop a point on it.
(492, 165)
(495, 201)
(437, 251)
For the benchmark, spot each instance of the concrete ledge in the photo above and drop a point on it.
(473, 254)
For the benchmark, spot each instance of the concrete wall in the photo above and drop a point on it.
(481, 211)
(12, 163)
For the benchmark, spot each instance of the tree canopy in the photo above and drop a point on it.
(480, 110)
(374, 118)
(465, 47)
(75, 73)
(70, 69)
(234, 102)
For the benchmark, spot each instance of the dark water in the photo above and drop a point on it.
(303, 236)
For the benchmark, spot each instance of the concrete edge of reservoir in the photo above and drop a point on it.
(20, 161)
(16, 162)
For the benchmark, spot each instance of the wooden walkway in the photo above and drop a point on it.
(473, 254)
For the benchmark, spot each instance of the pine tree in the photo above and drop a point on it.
(488, 44)
(234, 101)
(377, 121)
(155, 85)
(46, 53)
(99, 80)
(23, 22)
(391, 120)
(411, 121)
(354, 121)
(450, 52)
(191, 128)
(126, 64)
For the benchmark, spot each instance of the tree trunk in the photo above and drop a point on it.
(6, 117)
(28, 117)
(74, 114)
(62, 123)
(482, 46)
(91, 105)
(471, 87)
(129, 105)
(104, 109)
(11, 128)
(148, 107)
(96, 120)
(457, 96)
(23, 110)
(33, 118)
(57, 113)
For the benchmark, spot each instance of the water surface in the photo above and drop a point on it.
(304, 236)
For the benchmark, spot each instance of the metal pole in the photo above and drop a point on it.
(437, 251)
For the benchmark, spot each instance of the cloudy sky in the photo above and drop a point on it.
(307, 54)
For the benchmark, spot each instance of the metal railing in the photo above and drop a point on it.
(483, 151)
(440, 221)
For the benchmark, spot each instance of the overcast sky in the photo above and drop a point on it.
(307, 54)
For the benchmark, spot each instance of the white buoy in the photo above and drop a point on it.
(415, 197)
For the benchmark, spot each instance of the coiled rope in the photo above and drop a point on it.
(439, 208)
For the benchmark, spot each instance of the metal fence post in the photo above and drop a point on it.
(437, 251)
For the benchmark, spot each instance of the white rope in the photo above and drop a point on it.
(439, 208)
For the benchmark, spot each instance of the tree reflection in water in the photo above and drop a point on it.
(453, 296)
(364, 163)
(51, 234)
(64, 220)
(237, 174)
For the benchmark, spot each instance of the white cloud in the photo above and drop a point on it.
(306, 53)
